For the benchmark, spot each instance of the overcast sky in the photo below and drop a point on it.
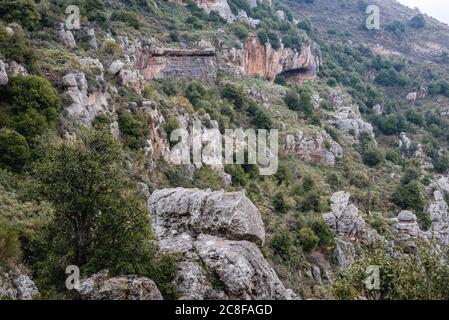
(438, 9)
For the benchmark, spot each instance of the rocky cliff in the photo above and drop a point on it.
(265, 61)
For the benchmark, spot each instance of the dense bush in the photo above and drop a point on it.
(134, 129)
(418, 21)
(418, 276)
(15, 47)
(14, 149)
(308, 239)
(130, 18)
(34, 93)
(280, 203)
(24, 12)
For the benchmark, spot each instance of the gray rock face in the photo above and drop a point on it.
(16, 286)
(438, 211)
(87, 102)
(3, 75)
(242, 267)
(67, 37)
(16, 69)
(217, 234)
(344, 218)
(347, 117)
(319, 147)
(404, 142)
(406, 229)
(92, 38)
(230, 215)
(115, 67)
(101, 286)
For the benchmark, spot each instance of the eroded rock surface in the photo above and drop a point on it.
(316, 148)
(15, 285)
(101, 286)
(218, 234)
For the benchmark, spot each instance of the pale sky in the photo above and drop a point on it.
(438, 9)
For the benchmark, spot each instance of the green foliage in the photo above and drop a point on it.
(307, 238)
(237, 173)
(9, 243)
(280, 203)
(23, 12)
(134, 129)
(408, 194)
(241, 30)
(14, 150)
(418, 21)
(292, 99)
(15, 47)
(305, 25)
(274, 40)
(36, 105)
(372, 156)
(128, 17)
(100, 221)
(418, 276)
(393, 156)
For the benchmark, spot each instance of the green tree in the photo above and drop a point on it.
(100, 221)
(20, 11)
(14, 149)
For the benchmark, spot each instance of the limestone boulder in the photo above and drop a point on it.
(101, 286)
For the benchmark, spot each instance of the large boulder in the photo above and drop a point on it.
(217, 234)
(242, 267)
(101, 286)
(227, 214)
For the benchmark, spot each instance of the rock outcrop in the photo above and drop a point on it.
(230, 215)
(406, 229)
(101, 286)
(218, 234)
(3, 75)
(347, 117)
(267, 62)
(15, 285)
(188, 64)
(439, 215)
(351, 230)
(316, 148)
(87, 102)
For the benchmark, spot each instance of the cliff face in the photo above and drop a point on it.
(267, 62)
(179, 63)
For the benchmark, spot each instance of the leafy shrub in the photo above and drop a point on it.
(239, 177)
(274, 40)
(34, 92)
(280, 203)
(241, 30)
(130, 18)
(24, 12)
(15, 47)
(134, 129)
(14, 149)
(292, 100)
(308, 239)
(418, 21)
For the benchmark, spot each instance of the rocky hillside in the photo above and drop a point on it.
(91, 178)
